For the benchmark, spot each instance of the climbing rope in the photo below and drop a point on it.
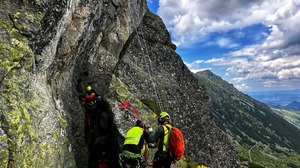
(150, 67)
(126, 104)
(124, 19)
(150, 71)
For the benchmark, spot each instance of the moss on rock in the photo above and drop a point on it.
(152, 104)
(22, 142)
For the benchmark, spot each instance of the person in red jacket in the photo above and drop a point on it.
(90, 98)
(89, 102)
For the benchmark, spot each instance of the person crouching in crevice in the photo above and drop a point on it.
(89, 102)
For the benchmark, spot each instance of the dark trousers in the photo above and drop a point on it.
(91, 114)
(162, 160)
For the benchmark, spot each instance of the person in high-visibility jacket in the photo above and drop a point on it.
(162, 158)
(132, 153)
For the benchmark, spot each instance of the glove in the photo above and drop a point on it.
(151, 145)
(150, 129)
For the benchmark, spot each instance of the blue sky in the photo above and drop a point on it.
(254, 45)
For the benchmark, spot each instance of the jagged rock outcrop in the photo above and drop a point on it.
(50, 51)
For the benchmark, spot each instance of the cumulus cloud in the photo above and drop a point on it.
(195, 66)
(274, 68)
(242, 86)
(275, 61)
(229, 61)
(237, 80)
(225, 43)
(189, 19)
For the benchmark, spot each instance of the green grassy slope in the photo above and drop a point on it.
(252, 125)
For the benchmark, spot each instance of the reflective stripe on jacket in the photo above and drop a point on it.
(133, 142)
(166, 137)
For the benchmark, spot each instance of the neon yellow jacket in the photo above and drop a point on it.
(166, 137)
(134, 141)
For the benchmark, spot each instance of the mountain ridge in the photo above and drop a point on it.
(248, 121)
(295, 105)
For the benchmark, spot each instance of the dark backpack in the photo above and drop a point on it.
(176, 143)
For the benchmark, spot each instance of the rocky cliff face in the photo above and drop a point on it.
(51, 50)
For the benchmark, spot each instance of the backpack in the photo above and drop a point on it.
(176, 143)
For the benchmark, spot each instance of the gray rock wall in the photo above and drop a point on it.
(50, 51)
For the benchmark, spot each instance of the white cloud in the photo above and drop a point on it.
(270, 71)
(237, 80)
(199, 61)
(262, 66)
(195, 66)
(242, 86)
(198, 70)
(226, 43)
(248, 51)
(289, 73)
(195, 18)
(222, 42)
(190, 20)
(215, 60)
(269, 83)
(229, 61)
(274, 62)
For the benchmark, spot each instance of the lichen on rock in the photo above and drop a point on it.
(51, 50)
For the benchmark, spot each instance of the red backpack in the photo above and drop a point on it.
(176, 143)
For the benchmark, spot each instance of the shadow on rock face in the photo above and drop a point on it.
(104, 142)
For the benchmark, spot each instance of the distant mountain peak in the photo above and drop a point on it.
(215, 79)
(295, 105)
(294, 102)
(207, 72)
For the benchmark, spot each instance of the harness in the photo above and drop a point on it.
(128, 160)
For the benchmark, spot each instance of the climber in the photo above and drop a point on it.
(132, 151)
(90, 102)
(89, 99)
(162, 157)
